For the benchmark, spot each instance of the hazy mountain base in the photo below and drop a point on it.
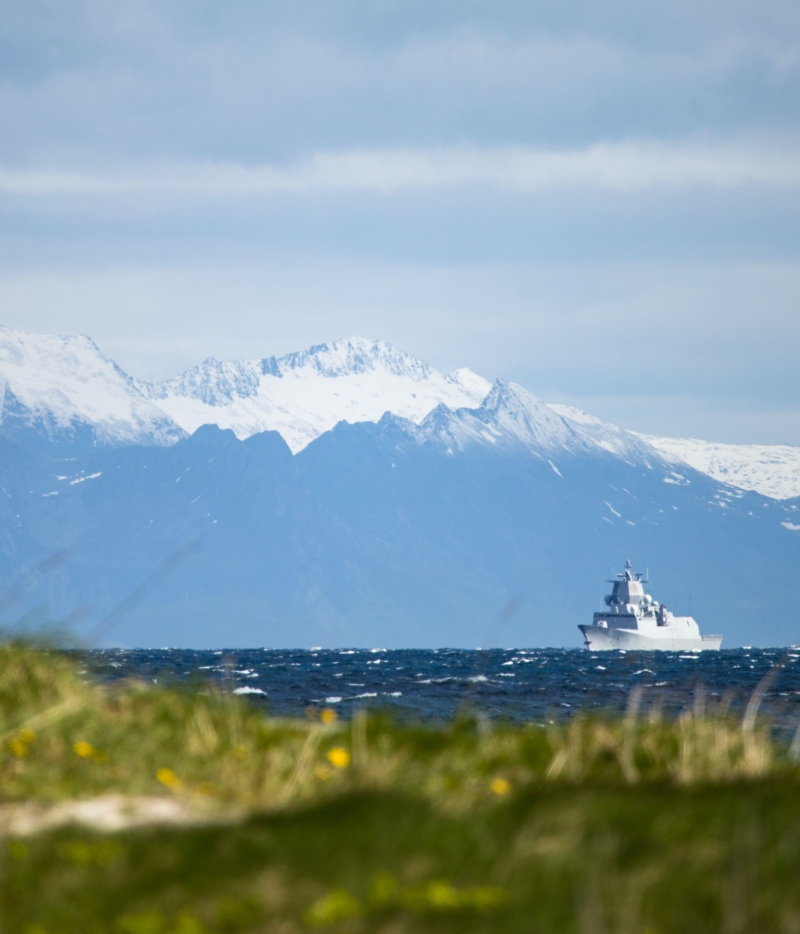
(375, 535)
(620, 826)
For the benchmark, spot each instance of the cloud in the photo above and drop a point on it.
(620, 167)
(139, 82)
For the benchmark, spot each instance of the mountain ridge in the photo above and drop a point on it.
(294, 395)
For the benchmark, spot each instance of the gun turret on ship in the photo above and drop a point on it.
(634, 620)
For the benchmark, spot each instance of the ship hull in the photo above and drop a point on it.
(602, 639)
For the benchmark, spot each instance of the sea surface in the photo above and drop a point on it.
(435, 685)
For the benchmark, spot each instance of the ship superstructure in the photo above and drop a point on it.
(634, 620)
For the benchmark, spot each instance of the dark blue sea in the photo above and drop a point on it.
(434, 685)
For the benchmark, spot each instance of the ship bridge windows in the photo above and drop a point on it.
(626, 592)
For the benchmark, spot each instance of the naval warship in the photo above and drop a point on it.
(634, 620)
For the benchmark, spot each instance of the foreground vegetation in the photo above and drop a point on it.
(636, 825)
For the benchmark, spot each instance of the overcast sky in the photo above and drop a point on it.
(599, 199)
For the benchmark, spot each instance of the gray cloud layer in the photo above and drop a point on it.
(599, 200)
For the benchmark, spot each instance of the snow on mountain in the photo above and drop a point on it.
(625, 444)
(62, 381)
(508, 415)
(303, 395)
(770, 469)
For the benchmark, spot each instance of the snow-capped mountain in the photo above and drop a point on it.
(62, 382)
(303, 395)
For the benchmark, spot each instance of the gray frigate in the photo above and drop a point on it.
(634, 620)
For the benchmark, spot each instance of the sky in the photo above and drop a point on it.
(598, 200)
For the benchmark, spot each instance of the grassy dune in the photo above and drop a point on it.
(638, 824)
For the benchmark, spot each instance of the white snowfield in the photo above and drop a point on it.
(769, 469)
(303, 395)
(63, 381)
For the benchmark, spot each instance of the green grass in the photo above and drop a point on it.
(638, 824)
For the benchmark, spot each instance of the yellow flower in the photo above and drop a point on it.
(338, 905)
(168, 777)
(500, 786)
(339, 757)
(88, 751)
(19, 746)
(443, 895)
(329, 715)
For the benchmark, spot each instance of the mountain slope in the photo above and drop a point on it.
(303, 395)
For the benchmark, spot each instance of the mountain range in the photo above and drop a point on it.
(351, 494)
